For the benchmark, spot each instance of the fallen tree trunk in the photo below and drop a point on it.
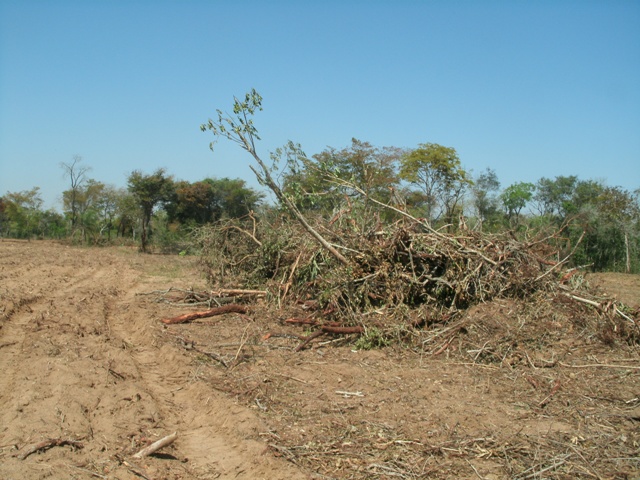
(188, 317)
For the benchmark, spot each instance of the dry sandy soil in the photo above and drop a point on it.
(89, 375)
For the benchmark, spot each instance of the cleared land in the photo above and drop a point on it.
(89, 376)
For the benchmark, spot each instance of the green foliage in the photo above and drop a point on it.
(554, 197)
(210, 200)
(148, 191)
(515, 197)
(611, 225)
(437, 171)
(171, 238)
(371, 339)
(235, 199)
(85, 206)
(192, 202)
(240, 128)
(245, 252)
(322, 184)
(23, 214)
(51, 225)
(485, 199)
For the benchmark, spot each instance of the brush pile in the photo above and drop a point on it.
(406, 274)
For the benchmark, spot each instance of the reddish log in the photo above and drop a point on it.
(187, 317)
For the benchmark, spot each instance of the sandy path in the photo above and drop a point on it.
(81, 359)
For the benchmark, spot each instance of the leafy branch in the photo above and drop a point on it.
(240, 129)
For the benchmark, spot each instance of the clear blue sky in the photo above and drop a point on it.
(530, 89)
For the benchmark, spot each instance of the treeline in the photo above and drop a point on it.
(598, 224)
(96, 213)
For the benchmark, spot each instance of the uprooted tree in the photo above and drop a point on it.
(401, 269)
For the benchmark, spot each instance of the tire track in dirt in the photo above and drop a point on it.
(85, 360)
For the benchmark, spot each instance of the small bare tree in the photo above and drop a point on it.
(77, 175)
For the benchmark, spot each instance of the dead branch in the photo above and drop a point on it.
(291, 206)
(428, 227)
(282, 335)
(599, 306)
(601, 365)
(554, 390)
(192, 345)
(287, 285)
(234, 292)
(187, 317)
(155, 446)
(135, 470)
(564, 260)
(47, 444)
(246, 233)
(308, 340)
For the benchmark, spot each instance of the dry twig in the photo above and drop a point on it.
(46, 445)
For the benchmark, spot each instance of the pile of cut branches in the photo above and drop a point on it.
(394, 270)
(398, 280)
(408, 265)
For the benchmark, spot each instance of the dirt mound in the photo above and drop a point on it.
(509, 389)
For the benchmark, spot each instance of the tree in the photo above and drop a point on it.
(211, 199)
(192, 202)
(437, 171)
(3, 216)
(23, 212)
(107, 206)
(515, 197)
(83, 202)
(484, 198)
(77, 177)
(127, 211)
(585, 193)
(148, 191)
(620, 212)
(234, 198)
(324, 183)
(554, 197)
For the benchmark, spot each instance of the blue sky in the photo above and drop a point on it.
(531, 89)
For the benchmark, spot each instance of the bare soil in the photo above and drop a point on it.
(543, 388)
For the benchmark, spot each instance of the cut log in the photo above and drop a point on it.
(188, 317)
